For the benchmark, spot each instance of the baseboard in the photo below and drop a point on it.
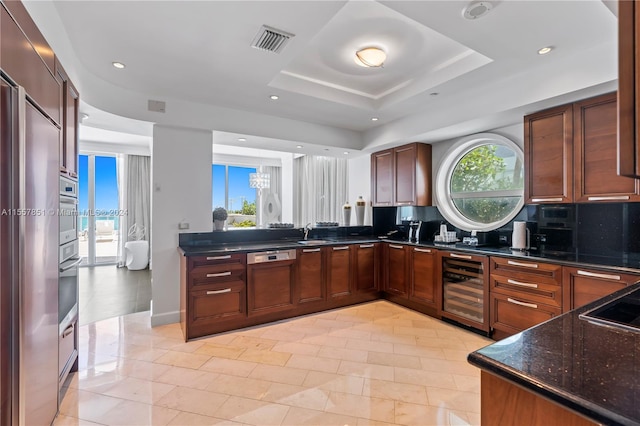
(165, 318)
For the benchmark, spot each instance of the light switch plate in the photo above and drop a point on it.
(183, 225)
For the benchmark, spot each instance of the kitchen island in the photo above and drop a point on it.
(564, 371)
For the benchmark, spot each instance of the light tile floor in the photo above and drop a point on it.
(370, 364)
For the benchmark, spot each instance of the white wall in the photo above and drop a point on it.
(360, 184)
(181, 192)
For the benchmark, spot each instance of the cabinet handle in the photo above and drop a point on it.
(517, 302)
(596, 275)
(393, 246)
(523, 264)
(521, 284)
(422, 250)
(220, 274)
(542, 200)
(341, 248)
(404, 203)
(228, 256)
(315, 250)
(460, 256)
(609, 197)
(226, 290)
(366, 245)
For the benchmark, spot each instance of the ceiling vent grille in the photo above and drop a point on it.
(271, 39)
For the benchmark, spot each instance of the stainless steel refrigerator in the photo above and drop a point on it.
(29, 169)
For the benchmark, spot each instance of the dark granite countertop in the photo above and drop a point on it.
(591, 369)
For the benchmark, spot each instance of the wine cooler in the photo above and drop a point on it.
(465, 292)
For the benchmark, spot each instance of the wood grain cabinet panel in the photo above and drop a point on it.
(366, 267)
(70, 123)
(382, 178)
(596, 156)
(397, 280)
(582, 286)
(339, 275)
(424, 283)
(311, 276)
(270, 287)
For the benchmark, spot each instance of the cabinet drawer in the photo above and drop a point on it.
(215, 259)
(533, 288)
(216, 274)
(217, 303)
(525, 269)
(513, 314)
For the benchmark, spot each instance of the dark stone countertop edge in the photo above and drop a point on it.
(581, 406)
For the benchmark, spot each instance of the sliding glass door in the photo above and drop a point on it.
(98, 219)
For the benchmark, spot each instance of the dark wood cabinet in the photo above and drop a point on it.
(70, 108)
(339, 276)
(311, 276)
(548, 150)
(397, 270)
(271, 287)
(424, 282)
(582, 286)
(366, 267)
(596, 158)
(402, 176)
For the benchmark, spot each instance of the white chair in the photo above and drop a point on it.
(104, 230)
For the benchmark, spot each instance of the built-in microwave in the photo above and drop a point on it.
(68, 218)
(68, 187)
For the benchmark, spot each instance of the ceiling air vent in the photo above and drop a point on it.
(157, 106)
(271, 39)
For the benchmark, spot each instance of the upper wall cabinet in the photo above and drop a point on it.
(628, 84)
(571, 155)
(70, 108)
(401, 176)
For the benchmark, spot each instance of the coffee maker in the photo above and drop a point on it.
(414, 231)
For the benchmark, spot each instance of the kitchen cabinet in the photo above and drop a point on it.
(339, 276)
(70, 124)
(402, 176)
(310, 276)
(366, 267)
(271, 287)
(424, 282)
(596, 158)
(522, 294)
(582, 286)
(628, 95)
(548, 152)
(397, 270)
(213, 293)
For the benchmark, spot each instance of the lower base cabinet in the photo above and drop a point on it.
(424, 282)
(366, 267)
(582, 286)
(271, 287)
(311, 282)
(397, 270)
(512, 314)
(339, 279)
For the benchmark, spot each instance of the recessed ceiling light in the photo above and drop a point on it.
(299, 146)
(118, 65)
(84, 116)
(476, 9)
(274, 97)
(545, 50)
(374, 118)
(346, 153)
(242, 139)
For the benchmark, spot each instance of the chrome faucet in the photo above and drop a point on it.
(307, 228)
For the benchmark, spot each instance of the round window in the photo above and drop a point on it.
(480, 182)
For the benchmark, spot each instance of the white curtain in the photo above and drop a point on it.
(121, 168)
(271, 203)
(321, 187)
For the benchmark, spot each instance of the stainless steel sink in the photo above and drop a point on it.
(314, 242)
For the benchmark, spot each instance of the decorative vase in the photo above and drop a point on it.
(360, 206)
(219, 225)
(346, 214)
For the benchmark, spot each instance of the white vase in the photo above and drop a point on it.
(360, 207)
(346, 214)
(219, 225)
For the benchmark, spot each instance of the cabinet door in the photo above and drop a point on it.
(382, 178)
(596, 156)
(628, 101)
(70, 129)
(405, 175)
(512, 314)
(397, 270)
(270, 287)
(548, 151)
(311, 283)
(366, 267)
(339, 271)
(582, 286)
(423, 276)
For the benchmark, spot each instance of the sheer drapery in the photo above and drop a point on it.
(321, 188)
(271, 203)
(121, 173)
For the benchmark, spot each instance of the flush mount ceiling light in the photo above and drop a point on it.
(370, 57)
(274, 97)
(545, 50)
(476, 9)
(118, 65)
(242, 139)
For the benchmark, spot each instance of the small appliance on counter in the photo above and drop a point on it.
(521, 238)
(414, 231)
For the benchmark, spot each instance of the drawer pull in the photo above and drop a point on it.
(366, 245)
(524, 265)
(228, 256)
(404, 203)
(220, 274)
(315, 250)
(422, 250)
(393, 246)
(596, 275)
(226, 290)
(521, 284)
(341, 248)
(608, 198)
(517, 302)
(546, 200)
(460, 256)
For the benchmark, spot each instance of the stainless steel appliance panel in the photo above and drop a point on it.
(68, 187)
(68, 219)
